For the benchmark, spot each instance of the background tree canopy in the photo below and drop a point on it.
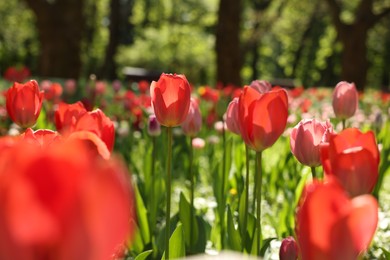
(317, 43)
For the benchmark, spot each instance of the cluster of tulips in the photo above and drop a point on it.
(65, 195)
(334, 209)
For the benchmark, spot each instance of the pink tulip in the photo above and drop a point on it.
(193, 122)
(232, 117)
(306, 138)
(345, 100)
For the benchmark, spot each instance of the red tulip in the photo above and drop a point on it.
(24, 103)
(42, 137)
(232, 117)
(171, 99)
(306, 138)
(353, 158)
(60, 203)
(345, 100)
(262, 117)
(193, 122)
(332, 226)
(66, 114)
(98, 123)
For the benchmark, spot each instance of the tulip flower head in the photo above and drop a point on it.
(262, 117)
(24, 103)
(193, 122)
(232, 117)
(262, 86)
(154, 128)
(353, 158)
(330, 225)
(306, 138)
(288, 249)
(345, 100)
(62, 203)
(171, 99)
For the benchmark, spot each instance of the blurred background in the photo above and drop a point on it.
(229, 42)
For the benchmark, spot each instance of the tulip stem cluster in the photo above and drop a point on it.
(259, 181)
(168, 190)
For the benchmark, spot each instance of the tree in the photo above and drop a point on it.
(353, 37)
(227, 46)
(120, 31)
(60, 25)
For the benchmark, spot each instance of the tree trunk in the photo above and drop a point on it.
(229, 60)
(108, 69)
(354, 63)
(60, 27)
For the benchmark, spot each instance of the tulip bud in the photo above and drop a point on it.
(170, 99)
(288, 249)
(198, 143)
(193, 122)
(306, 138)
(154, 128)
(232, 117)
(345, 100)
(262, 86)
(24, 103)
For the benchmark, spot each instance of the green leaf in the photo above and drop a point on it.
(187, 220)
(265, 245)
(234, 237)
(142, 216)
(143, 255)
(177, 248)
(137, 244)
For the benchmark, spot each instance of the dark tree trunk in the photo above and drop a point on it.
(229, 60)
(108, 69)
(354, 63)
(60, 28)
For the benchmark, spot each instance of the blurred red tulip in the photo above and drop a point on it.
(332, 226)
(41, 137)
(54, 92)
(170, 99)
(288, 249)
(60, 203)
(345, 100)
(98, 123)
(15, 74)
(193, 122)
(66, 114)
(24, 103)
(306, 138)
(262, 117)
(209, 94)
(353, 158)
(232, 117)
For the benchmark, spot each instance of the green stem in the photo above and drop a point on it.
(258, 214)
(222, 207)
(154, 150)
(255, 188)
(344, 123)
(192, 209)
(245, 223)
(314, 173)
(168, 194)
